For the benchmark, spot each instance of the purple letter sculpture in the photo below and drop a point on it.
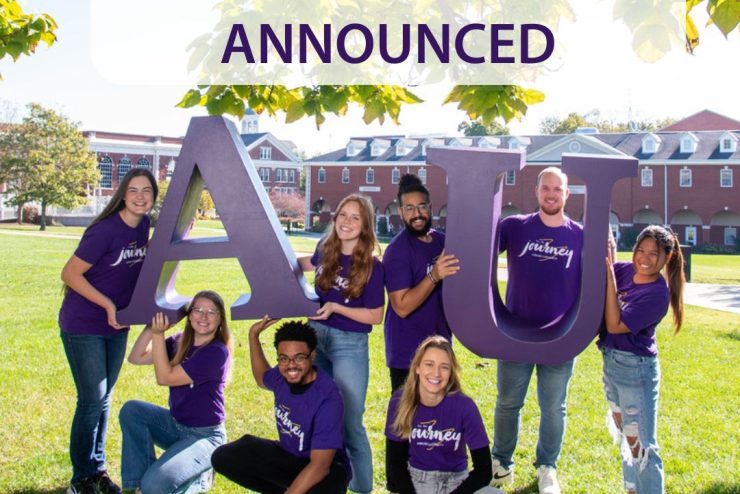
(213, 152)
(473, 307)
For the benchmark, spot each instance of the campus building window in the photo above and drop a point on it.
(106, 172)
(123, 167)
(685, 178)
(266, 153)
(730, 235)
(423, 175)
(690, 236)
(144, 163)
(321, 177)
(265, 174)
(291, 176)
(370, 176)
(345, 175)
(725, 178)
(395, 176)
(646, 177)
(510, 177)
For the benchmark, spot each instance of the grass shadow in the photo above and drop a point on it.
(530, 488)
(721, 488)
(734, 335)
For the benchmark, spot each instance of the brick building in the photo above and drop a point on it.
(685, 178)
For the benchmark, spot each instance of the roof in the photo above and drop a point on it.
(704, 120)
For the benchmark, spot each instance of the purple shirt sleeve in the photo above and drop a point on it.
(391, 416)
(207, 364)
(503, 235)
(398, 270)
(271, 378)
(374, 294)
(94, 244)
(473, 427)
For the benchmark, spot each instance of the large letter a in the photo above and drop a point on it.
(213, 151)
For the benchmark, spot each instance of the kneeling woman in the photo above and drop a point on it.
(430, 422)
(637, 299)
(195, 365)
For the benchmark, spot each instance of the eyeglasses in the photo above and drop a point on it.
(200, 312)
(297, 359)
(422, 208)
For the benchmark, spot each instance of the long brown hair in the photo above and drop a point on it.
(116, 202)
(361, 265)
(667, 241)
(188, 335)
(410, 399)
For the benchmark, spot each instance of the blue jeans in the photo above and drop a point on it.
(552, 392)
(344, 355)
(631, 385)
(185, 465)
(95, 362)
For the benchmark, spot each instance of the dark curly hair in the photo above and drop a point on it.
(296, 331)
(411, 183)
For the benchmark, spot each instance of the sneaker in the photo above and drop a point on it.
(105, 485)
(84, 486)
(501, 474)
(547, 480)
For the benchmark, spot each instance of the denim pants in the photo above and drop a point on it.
(435, 482)
(552, 392)
(185, 465)
(631, 385)
(95, 362)
(344, 355)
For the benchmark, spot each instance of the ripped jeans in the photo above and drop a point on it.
(631, 384)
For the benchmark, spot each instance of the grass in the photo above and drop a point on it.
(698, 427)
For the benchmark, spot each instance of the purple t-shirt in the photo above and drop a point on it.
(309, 420)
(200, 404)
(116, 252)
(407, 260)
(642, 307)
(372, 296)
(544, 266)
(439, 434)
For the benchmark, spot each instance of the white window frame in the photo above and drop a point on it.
(684, 178)
(265, 174)
(265, 152)
(510, 177)
(321, 175)
(725, 178)
(369, 176)
(423, 175)
(646, 177)
(690, 235)
(688, 145)
(395, 176)
(345, 175)
(124, 165)
(375, 150)
(105, 165)
(144, 163)
(729, 231)
(648, 145)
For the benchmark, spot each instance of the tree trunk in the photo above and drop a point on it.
(42, 219)
(20, 214)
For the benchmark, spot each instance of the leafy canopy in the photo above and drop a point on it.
(21, 33)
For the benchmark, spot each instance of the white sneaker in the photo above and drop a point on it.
(501, 474)
(547, 480)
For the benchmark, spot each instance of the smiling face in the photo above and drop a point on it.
(295, 362)
(348, 222)
(648, 260)
(434, 374)
(139, 197)
(415, 213)
(551, 192)
(205, 319)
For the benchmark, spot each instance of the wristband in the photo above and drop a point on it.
(432, 278)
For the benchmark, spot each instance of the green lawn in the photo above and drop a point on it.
(698, 412)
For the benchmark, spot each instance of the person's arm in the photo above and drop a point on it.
(73, 276)
(360, 314)
(612, 314)
(398, 470)
(481, 474)
(256, 354)
(407, 300)
(305, 263)
(166, 373)
(318, 467)
(141, 352)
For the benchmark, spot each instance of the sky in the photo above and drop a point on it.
(599, 71)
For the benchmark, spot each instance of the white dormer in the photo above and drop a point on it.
(404, 146)
(432, 141)
(379, 146)
(650, 143)
(489, 142)
(355, 146)
(460, 142)
(519, 142)
(727, 143)
(688, 142)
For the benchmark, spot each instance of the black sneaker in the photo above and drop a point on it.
(84, 486)
(105, 485)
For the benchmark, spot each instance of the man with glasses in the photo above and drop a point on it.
(415, 264)
(310, 455)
